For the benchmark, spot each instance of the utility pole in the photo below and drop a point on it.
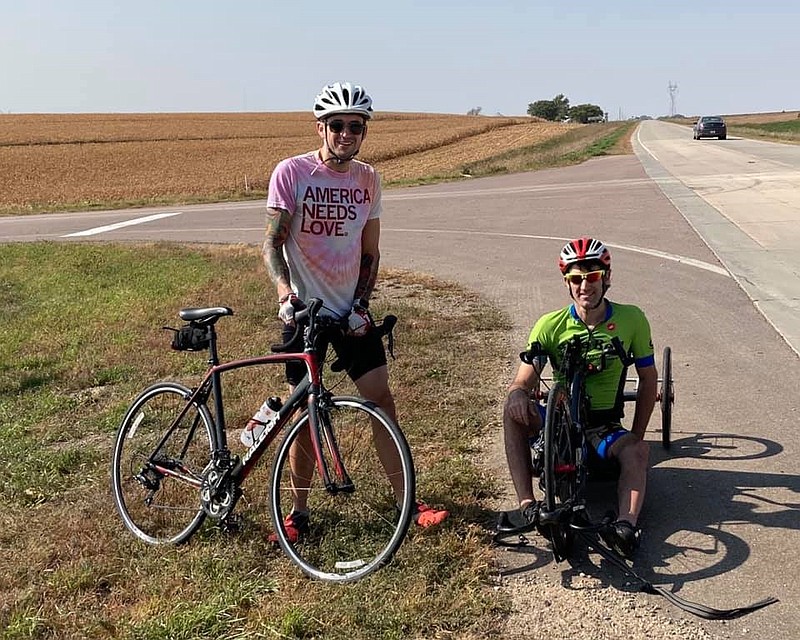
(673, 89)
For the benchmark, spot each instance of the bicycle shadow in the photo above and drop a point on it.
(690, 514)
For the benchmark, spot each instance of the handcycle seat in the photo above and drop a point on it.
(204, 315)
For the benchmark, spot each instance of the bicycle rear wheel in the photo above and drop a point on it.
(357, 528)
(157, 489)
(560, 472)
(667, 398)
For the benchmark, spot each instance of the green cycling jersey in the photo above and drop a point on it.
(626, 322)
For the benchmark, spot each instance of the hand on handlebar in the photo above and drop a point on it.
(359, 322)
(288, 305)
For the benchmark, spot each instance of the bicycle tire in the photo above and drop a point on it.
(667, 398)
(169, 510)
(560, 471)
(350, 535)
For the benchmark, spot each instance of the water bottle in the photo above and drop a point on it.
(262, 420)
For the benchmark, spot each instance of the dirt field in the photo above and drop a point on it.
(89, 159)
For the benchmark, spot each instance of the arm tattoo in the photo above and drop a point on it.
(367, 276)
(278, 224)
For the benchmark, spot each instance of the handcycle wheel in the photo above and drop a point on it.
(157, 492)
(351, 532)
(666, 393)
(560, 470)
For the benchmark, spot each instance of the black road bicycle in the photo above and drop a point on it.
(172, 467)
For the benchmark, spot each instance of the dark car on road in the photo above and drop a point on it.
(710, 127)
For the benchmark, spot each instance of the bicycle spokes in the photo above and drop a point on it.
(357, 524)
(159, 461)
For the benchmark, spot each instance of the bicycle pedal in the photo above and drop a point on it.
(232, 523)
(549, 518)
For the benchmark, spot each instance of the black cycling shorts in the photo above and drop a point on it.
(355, 355)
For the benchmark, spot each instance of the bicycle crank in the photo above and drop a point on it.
(218, 493)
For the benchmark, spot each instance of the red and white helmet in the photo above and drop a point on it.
(342, 97)
(583, 250)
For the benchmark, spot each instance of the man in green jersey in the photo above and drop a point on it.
(585, 264)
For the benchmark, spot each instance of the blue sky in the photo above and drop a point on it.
(411, 55)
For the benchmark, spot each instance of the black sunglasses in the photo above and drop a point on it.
(356, 128)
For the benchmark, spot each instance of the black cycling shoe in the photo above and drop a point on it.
(519, 521)
(622, 537)
(530, 514)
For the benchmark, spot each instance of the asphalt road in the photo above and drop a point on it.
(702, 235)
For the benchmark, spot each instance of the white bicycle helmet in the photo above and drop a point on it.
(342, 97)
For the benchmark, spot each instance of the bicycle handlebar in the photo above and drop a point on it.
(575, 353)
(308, 316)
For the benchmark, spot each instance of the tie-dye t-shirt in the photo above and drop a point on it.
(329, 210)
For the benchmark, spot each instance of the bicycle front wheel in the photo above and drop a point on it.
(356, 526)
(560, 471)
(157, 488)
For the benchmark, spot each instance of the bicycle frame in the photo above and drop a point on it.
(305, 396)
(577, 392)
(571, 459)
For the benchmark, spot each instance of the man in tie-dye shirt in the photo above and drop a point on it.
(322, 241)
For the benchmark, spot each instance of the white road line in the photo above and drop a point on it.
(471, 193)
(699, 264)
(119, 225)
(644, 146)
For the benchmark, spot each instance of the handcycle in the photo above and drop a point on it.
(564, 454)
(172, 467)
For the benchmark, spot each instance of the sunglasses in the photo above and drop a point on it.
(356, 128)
(590, 276)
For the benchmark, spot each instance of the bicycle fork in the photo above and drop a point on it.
(322, 434)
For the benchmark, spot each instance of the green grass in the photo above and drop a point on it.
(82, 335)
(788, 126)
(785, 131)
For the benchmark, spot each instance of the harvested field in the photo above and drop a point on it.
(448, 160)
(52, 161)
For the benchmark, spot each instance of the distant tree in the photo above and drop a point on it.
(562, 107)
(474, 111)
(584, 113)
(555, 109)
(546, 109)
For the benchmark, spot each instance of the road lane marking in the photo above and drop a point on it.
(389, 195)
(692, 262)
(644, 146)
(119, 225)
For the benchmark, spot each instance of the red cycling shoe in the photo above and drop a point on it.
(425, 516)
